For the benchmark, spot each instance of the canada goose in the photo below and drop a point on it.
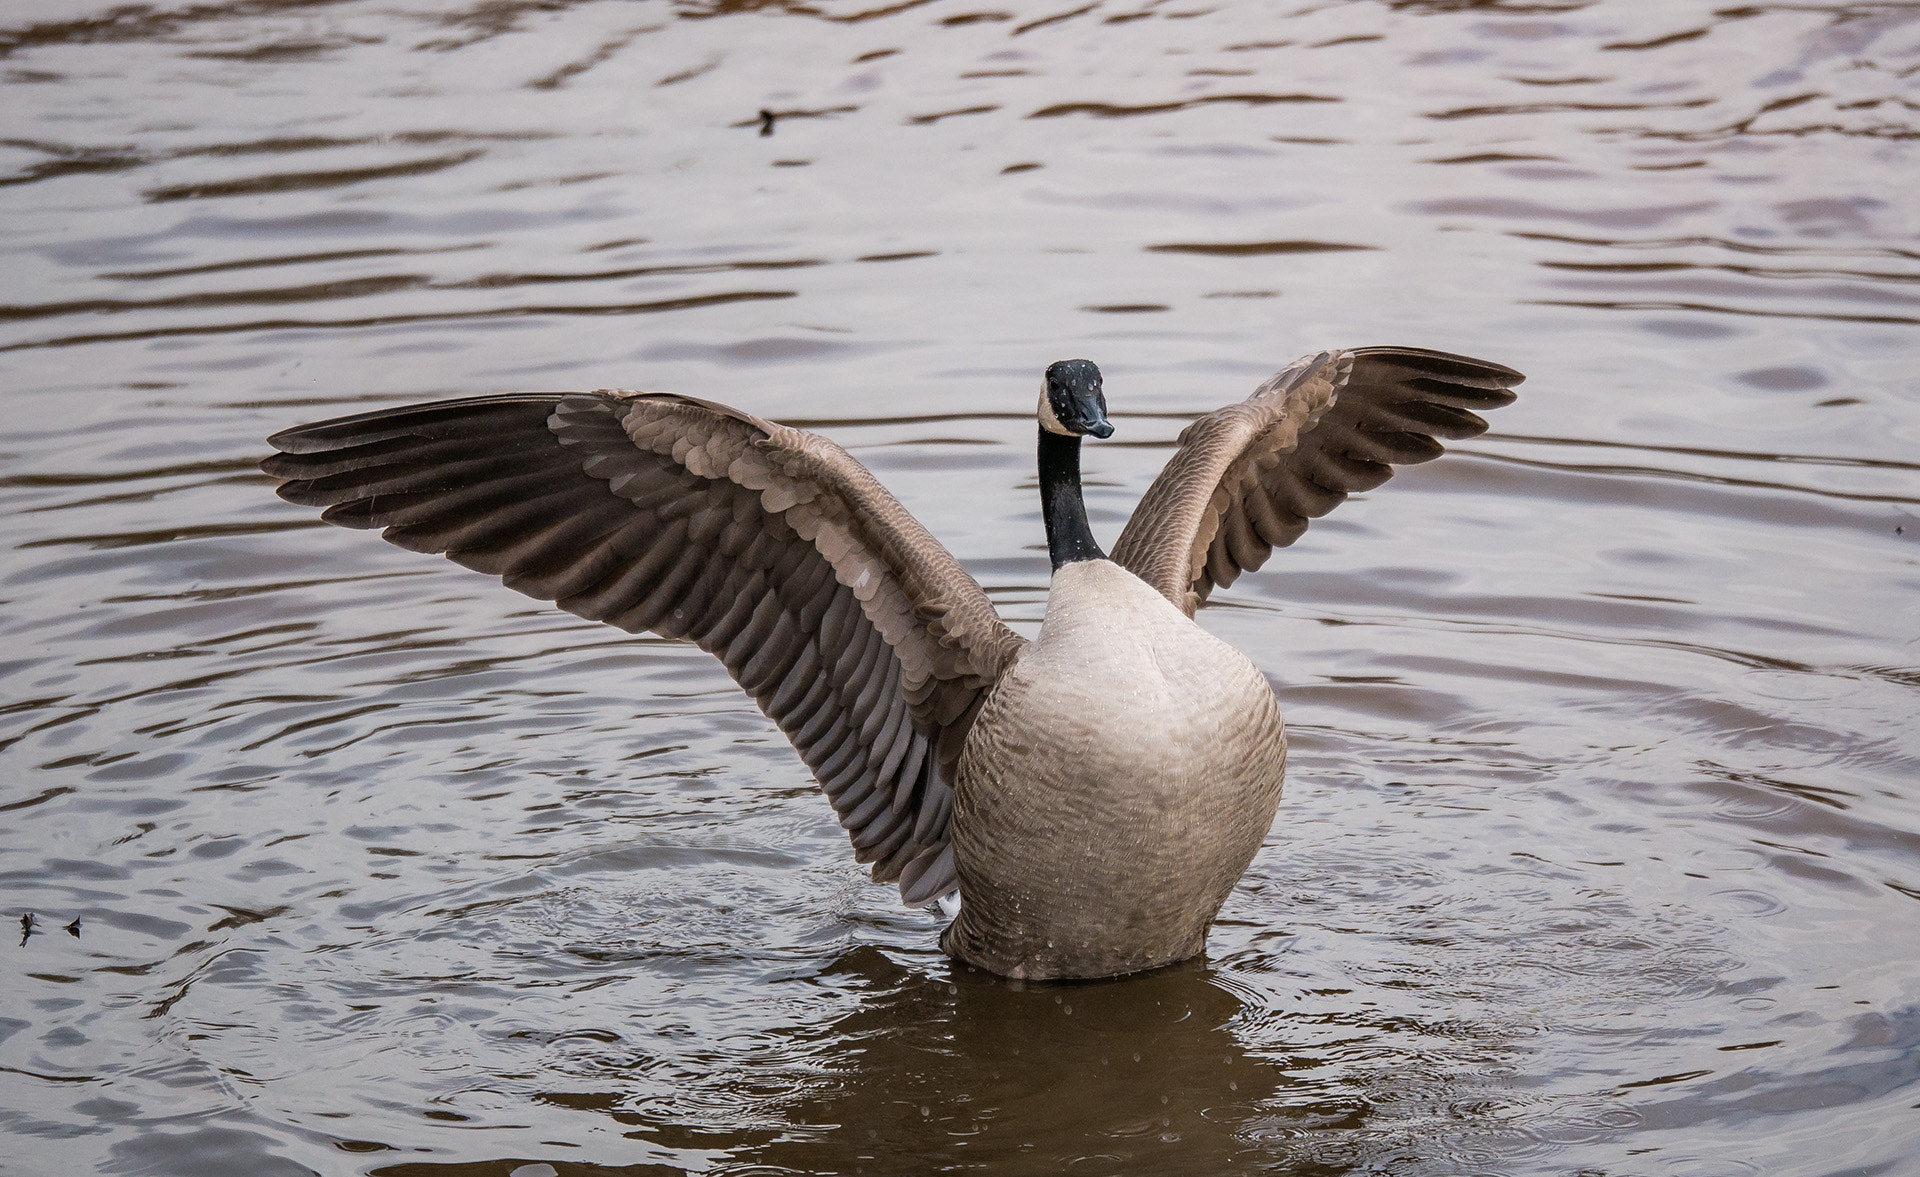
(1092, 795)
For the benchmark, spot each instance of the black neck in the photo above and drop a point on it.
(1068, 536)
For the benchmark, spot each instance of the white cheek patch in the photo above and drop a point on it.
(1048, 421)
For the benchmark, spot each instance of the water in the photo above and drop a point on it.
(1601, 845)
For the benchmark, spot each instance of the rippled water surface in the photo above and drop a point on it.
(1601, 845)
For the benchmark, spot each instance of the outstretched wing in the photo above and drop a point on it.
(1247, 478)
(853, 628)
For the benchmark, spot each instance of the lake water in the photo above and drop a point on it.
(1600, 852)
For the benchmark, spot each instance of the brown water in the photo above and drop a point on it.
(1601, 846)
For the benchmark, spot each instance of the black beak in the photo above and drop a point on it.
(1090, 413)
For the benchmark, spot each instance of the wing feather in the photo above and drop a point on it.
(1248, 478)
(770, 547)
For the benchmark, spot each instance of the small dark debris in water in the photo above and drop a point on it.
(26, 927)
(73, 929)
(766, 118)
(1014, 169)
(1663, 1080)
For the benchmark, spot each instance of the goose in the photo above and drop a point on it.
(1079, 805)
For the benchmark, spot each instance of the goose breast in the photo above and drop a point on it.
(1117, 783)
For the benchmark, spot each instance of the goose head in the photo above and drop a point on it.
(1071, 401)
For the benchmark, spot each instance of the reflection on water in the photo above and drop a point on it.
(960, 1069)
(1599, 846)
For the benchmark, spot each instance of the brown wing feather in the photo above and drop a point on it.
(770, 547)
(1247, 478)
